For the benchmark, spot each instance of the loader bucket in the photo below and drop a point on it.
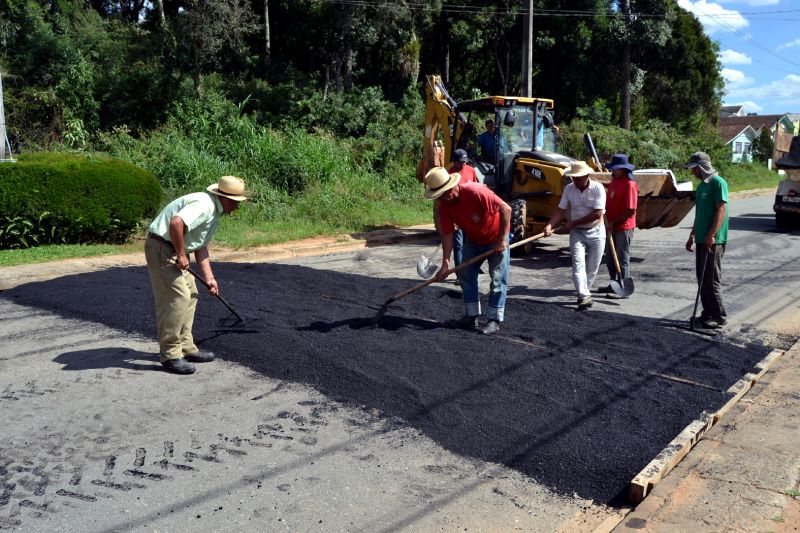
(663, 203)
(663, 211)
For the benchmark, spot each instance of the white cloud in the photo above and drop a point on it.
(714, 17)
(735, 79)
(791, 44)
(751, 2)
(782, 95)
(732, 57)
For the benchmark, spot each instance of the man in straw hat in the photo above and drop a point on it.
(485, 220)
(710, 229)
(586, 201)
(184, 226)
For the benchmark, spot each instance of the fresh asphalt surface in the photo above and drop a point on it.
(320, 422)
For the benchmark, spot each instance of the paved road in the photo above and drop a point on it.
(92, 439)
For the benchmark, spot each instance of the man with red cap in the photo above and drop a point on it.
(468, 175)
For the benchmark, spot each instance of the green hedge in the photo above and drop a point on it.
(64, 198)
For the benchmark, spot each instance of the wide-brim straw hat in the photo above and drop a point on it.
(578, 169)
(438, 181)
(229, 187)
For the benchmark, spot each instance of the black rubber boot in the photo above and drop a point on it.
(201, 357)
(179, 366)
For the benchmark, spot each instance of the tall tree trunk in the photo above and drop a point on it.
(625, 72)
(447, 64)
(337, 65)
(267, 46)
(348, 68)
(196, 73)
(162, 19)
(327, 82)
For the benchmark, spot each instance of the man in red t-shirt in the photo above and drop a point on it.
(485, 220)
(621, 203)
(468, 175)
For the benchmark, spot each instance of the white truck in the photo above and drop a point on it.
(787, 197)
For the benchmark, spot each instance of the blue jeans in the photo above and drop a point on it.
(498, 272)
(458, 246)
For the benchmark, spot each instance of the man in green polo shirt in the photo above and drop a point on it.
(710, 230)
(185, 226)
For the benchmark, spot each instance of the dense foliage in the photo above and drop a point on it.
(73, 68)
(318, 103)
(62, 198)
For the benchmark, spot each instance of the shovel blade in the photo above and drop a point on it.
(426, 268)
(234, 323)
(622, 287)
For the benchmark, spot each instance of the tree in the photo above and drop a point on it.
(641, 25)
(208, 27)
(763, 146)
(683, 85)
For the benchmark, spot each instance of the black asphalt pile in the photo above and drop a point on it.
(570, 399)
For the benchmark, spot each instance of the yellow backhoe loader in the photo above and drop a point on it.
(522, 165)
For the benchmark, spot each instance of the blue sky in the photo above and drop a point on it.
(759, 43)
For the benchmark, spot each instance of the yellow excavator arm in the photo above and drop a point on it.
(440, 120)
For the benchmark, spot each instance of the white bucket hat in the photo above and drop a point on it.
(438, 181)
(229, 187)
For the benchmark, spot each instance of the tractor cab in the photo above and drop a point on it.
(498, 130)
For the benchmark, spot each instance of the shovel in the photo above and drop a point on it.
(693, 319)
(415, 288)
(426, 268)
(237, 322)
(621, 286)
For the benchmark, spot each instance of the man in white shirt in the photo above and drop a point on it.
(586, 200)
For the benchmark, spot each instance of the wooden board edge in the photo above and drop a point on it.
(679, 447)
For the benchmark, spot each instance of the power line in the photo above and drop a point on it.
(747, 38)
(490, 10)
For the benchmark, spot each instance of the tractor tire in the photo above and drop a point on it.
(519, 215)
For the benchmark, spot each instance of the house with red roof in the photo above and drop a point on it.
(739, 131)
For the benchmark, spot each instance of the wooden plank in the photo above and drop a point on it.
(669, 457)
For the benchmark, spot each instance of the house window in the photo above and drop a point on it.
(747, 147)
(737, 148)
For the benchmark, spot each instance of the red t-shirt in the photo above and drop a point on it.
(623, 194)
(467, 174)
(477, 213)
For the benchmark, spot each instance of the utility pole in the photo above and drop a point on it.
(527, 49)
(625, 70)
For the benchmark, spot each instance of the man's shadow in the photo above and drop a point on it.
(111, 357)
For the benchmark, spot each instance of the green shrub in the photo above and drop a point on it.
(64, 198)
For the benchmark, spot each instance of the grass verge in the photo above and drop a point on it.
(56, 252)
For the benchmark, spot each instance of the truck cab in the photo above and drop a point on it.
(787, 197)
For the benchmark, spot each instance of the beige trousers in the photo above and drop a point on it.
(175, 294)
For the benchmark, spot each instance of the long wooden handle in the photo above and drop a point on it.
(610, 232)
(220, 298)
(472, 261)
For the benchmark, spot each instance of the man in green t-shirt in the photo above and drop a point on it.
(710, 230)
(185, 226)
